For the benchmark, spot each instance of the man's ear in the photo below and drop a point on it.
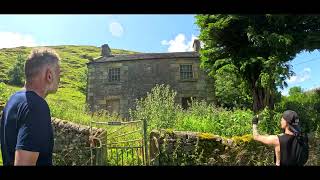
(48, 75)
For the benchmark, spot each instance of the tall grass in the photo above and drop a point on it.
(203, 117)
(6, 91)
(67, 104)
(161, 111)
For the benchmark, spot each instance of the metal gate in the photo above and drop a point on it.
(124, 144)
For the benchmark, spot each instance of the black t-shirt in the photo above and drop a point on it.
(26, 125)
(288, 150)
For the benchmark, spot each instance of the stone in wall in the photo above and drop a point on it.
(72, 143)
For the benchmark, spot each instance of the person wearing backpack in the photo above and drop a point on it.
(291, 147)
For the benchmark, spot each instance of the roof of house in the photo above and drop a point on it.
(145, 56)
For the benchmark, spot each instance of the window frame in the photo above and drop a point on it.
(114, 74)
(185, 75)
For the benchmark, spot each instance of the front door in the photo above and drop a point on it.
(113, 106)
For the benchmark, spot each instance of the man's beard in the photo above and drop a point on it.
(52, 89)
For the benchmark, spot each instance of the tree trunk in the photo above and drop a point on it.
(262, 97)
(271, 100)
(258, 98)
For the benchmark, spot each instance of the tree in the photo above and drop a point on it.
(260, 48)
(306, 104)
(16, 74)
(295, 90)
(231, 91)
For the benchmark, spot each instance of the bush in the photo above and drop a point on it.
(158, 108)
(231, 91)
(161, 111)
(306, 104)
(16, 74)
(203, 117)
(269, 121)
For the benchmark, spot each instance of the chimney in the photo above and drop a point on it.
(105, 50)
(196, 45)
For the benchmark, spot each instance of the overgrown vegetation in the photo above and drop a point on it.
(16, 74)
(231, 91)
(306, 104)
(161, 111)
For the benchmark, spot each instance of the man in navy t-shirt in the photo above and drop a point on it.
(26, 134)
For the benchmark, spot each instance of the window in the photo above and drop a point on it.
(186, 71)
(113, 106)
(114, 74)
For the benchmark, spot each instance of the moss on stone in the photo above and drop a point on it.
(242, 139)
(206, 136)
(169, 131)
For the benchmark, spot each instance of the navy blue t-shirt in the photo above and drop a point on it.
(26, 125)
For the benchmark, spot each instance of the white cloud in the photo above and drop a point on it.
(116, 29)
(301, 77)
(307, 69)
(164, 42)
(13, 39)
(179, 43)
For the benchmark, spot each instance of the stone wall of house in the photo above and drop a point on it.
(72, 143)
(137, 77)
(190, 148)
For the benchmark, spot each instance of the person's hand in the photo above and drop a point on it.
(255, 119)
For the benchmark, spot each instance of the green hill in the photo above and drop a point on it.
(73, 62)
(69, 101)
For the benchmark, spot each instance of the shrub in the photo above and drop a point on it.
(306, 104)
(161, 111)
(158, 107)
(16, 74)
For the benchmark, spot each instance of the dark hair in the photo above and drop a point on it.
(37, 59)
(293, 120)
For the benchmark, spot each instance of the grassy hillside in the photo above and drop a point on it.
(73, 62)
(69, 101)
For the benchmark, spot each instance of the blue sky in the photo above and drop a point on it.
(142, 33)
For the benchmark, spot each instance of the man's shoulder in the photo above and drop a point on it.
(28, 99)
(17, 95)
(16, 99)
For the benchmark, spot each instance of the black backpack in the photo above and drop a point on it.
(302, 149)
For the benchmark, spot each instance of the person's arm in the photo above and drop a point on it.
(265, 139)
(25, 158)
